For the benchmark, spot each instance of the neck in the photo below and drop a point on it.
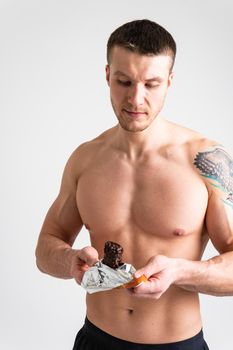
(136, 144)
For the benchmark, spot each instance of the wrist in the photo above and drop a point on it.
(70, 255)
(189, 272)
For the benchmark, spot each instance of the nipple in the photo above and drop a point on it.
(179, 232)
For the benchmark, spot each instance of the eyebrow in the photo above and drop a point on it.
(156, 78)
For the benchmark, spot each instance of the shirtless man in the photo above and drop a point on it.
(158, 189)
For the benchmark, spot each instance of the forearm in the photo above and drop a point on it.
(213, 277)
(53, 256)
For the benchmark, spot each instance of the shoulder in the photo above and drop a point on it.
(208, 156)
(215, 165)
(187, 142)
(211, 157)
(87, 152)
(205, 155)
(193, 143)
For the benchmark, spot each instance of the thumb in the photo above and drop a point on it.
(89, 255)
(146, 270)
(154, 265)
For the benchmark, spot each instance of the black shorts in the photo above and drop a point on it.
(92, 338)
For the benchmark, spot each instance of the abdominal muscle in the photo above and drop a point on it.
(173, 317)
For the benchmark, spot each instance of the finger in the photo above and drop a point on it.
(89, 255)
(149, 287)
(154, 265)
(148, 270)
(83, 267)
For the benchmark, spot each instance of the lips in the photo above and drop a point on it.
(134, 113)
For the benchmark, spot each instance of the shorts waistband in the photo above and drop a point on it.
(101, 337)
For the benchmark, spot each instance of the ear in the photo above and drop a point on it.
(107, 71)
(170, 78)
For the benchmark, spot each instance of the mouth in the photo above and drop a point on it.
(134, 114)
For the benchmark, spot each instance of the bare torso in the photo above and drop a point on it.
(154, 205)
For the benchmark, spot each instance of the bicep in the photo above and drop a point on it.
(63, 219)
(216, 167)
(219, 223)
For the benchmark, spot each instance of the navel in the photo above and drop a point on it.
(130, 311)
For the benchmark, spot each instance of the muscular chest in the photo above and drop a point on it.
(153, 198)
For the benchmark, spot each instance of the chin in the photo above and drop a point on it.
(135, 125)
(134, 128)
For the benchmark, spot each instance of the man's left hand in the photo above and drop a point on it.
(161, 272)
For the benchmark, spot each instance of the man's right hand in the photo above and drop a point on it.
(82, 261)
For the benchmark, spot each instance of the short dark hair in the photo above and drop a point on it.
(144, 37)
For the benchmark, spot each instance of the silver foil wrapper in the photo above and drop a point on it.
(101, 277)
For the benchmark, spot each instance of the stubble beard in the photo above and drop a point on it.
(132, 126)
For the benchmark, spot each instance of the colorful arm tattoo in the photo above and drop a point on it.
(217, 165)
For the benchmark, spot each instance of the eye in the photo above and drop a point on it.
(124, 82)
(151, 86)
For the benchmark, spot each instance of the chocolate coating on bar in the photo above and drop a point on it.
(112, 255)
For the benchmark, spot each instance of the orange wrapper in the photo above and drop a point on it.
(134, 283)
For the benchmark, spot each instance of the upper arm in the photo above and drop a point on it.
(63, 219)
(216, 167)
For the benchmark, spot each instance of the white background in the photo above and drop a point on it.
(53, 97)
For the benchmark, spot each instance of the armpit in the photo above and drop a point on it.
(216, 165)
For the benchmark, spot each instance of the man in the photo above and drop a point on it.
(158, 189)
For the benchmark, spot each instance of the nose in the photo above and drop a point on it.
(136, 95)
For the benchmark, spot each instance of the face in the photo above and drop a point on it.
(138, 87)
